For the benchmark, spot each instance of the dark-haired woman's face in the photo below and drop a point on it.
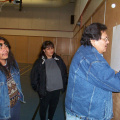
(4, 51)
(49, 51)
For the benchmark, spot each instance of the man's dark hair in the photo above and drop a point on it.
(45, 45)
(93, 31)
(11, 63)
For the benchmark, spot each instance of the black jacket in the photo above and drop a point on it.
(38, 74)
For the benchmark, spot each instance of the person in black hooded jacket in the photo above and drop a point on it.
(48, 78)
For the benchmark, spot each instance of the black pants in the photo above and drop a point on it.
(50, 100)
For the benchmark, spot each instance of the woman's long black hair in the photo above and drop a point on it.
(11, 63)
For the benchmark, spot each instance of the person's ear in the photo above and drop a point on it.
(93, 42)
(43, 50)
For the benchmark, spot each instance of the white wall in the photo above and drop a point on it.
(34, 21)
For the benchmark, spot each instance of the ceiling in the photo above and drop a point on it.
(45, 3)
(35, 3)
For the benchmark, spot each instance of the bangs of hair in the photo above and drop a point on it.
(50, 45)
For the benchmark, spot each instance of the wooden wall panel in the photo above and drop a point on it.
(34, 46)
(99, 15)
(63, 49)
(63, 45)
(76, 39)
(79, 38)
(116, 106)
(112, 14)
(53, 39)
(72, 47)
(89, 22)
(27, 48)
(21, 49)
(76, 43)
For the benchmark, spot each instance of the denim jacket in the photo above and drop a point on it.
(90, 86)
(4, 96)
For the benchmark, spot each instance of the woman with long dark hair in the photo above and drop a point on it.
(10, 87)
(48, 78)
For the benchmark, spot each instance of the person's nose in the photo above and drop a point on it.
(107, 41)
(4, 47)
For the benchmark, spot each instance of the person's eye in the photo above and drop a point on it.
(0, 45)
(6, 45)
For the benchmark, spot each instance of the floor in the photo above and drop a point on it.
(29, 109)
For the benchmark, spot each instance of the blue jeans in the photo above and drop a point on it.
(15, 112)
(72, 117)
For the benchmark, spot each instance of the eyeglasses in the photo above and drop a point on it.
(105, 39)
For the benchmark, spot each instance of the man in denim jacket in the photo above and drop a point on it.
(91, 79)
